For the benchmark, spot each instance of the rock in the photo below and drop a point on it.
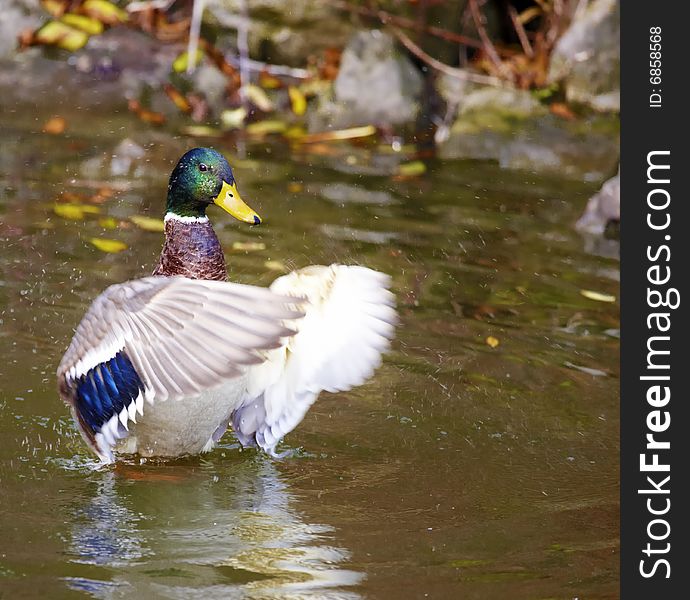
(18, 15)
(603, 209)
(587, 57)
(511, 127)
(376, 85)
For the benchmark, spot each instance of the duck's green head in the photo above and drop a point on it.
(202, 177)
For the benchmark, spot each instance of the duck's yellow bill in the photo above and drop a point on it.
(230, 201)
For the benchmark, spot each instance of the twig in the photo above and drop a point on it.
(194, 29)
(487, 44)
(388, 19)
(442, 67)
(521, 33)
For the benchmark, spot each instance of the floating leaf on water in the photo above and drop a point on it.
(298, 101)
(248, 246)
(258, 97)
(275, 265)
(202, 131)
(148, 223)
(104, 11)
(339, 134)
(146, 115)
(182, 61)
(55, 33)
(266, 127)
(233, 119)
(412, 169)
(178, 98)
(492, 341)
(295, 132)
(107, 245)
(55, 125)
(83, 23)
(599, 297)
(75, 212)
(294, 187)
(108, 223)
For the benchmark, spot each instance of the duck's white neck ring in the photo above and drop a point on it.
(172, 216)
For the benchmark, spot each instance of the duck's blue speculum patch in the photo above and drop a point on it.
(106, 389)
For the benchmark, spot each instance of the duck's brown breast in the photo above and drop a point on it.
(191, 249)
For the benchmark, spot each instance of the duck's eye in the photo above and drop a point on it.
(202, 167)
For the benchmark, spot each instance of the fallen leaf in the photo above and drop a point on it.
(108, 223)
(258, 97)
(412, 169)
(104, 11)
(182, 61)
(202, 131)
(597, 296)
(266, 127)
(55, 125)
(561, 110)
(233, 119)
(298, 101)
(294, 187)
(55, 33)
(275, 265)
(146, 115)
(107, 245)
(248, 246)
(339, 134)
(492, 341)
(148, 223)
(83, 23)
(178, 98)
(268, 81)
(75, 212)
(55, 8)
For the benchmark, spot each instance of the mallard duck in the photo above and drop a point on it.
(162, 366)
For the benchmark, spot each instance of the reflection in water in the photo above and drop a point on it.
(199, 531)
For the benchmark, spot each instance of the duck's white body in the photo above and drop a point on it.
(206, 354)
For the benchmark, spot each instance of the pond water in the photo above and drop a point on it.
(481, 461)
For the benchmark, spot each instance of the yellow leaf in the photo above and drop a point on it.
(85, 24)
(180, 63)
(275, 265)
(108, 223)
(233, 119)
(297, 100)
(106, 245)
(266, 127)
(202, 131)
(248, 246)
(104, 11)
(75, 212)
(258, 97)
(54, 33)
(412, 169)
(339, 134)
(492, 341)
(54, 7)
(598, 296)
(148, 223)
(294, 187)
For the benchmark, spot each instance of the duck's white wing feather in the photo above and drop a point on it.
(163, 338)
(349, 322)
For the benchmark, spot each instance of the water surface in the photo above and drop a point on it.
(464, 469)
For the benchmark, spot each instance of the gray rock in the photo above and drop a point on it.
(376, 85)
(587, 57)
(513, 128)
(602, 208)
(18, 15)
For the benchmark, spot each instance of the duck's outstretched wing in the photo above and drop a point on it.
(349, 322)
(163, 338)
